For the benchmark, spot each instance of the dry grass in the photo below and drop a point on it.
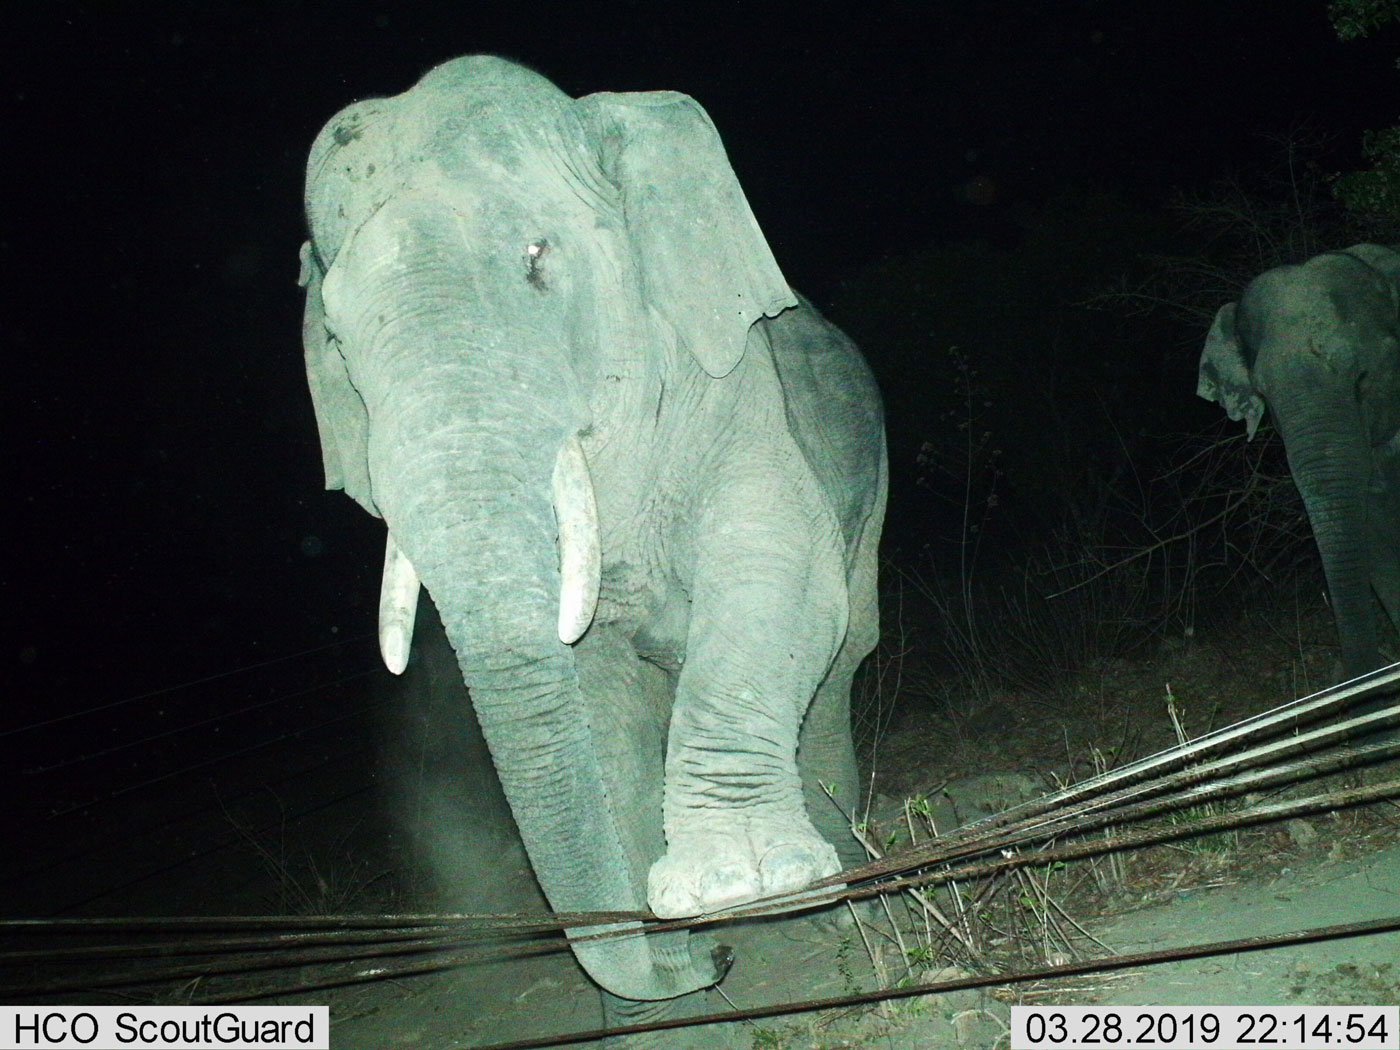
(1078, 725)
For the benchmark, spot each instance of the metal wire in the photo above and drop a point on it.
(397, 941)
(167, 690)
(1044, 973)
(1029, 835)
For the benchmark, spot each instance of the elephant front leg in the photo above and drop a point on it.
(769, 613)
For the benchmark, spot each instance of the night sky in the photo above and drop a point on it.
(161, 455)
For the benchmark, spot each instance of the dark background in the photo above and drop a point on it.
(160, 453)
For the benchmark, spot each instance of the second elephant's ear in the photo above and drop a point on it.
(704, 263)
(1385, 261)
(1224, 375)
(341, 417)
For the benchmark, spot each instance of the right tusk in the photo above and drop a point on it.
(580, 551)
(398, 605)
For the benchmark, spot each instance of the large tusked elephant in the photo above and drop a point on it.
(1318, 345)
(641, 479)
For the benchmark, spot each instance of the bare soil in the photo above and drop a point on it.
(424, 828)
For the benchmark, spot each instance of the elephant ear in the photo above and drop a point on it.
(341, 417)
(356, 164)
(704, 263)
(1224, 375)
(1385, 261)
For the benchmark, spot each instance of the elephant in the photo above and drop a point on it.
(642, 480)
(1318, 345)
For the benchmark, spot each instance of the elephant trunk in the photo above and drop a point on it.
(467, 489)
(1330, 463)
(580, 565)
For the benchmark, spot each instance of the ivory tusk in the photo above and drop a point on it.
(398, 605)
(580, 550)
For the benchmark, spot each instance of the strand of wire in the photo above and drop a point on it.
(403, 946)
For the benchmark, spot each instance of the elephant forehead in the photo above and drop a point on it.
(1309, 308)
(482, 145)
(491, 148)
(486, 105)
(486, 76)
(472, 118)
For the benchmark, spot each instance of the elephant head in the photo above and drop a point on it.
(490, 262)
(1318, 346)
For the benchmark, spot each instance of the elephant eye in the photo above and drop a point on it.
(535, 252)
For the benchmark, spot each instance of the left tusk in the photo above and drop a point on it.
(398, 605)
(580, 552)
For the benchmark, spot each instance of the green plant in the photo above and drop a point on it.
(1220, 843)
(1374, 194)
(1357, 18)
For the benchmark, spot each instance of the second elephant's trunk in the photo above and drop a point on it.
(1331, 465)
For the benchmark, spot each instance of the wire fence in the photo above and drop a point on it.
(1338, 730)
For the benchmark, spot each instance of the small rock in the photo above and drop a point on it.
(1301, 832)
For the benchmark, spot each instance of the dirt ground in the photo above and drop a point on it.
(1330, 869)
(1303, 886)
(514, 1001)
(427, 830)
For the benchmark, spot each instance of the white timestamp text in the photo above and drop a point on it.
(1205, 1027)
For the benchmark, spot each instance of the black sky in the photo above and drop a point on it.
(160, 452)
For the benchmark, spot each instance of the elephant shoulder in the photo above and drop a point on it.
(832, 405)
(820, 367)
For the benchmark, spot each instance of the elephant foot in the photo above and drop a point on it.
(702, 873)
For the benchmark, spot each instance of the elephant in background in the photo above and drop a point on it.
(1318, 345)
(642, 480)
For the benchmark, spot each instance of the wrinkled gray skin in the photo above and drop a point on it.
(1318, 345)
(494, 268)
